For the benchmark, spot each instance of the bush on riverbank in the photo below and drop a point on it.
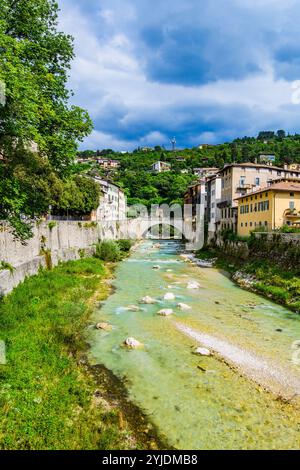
(46, 393)
(113, 251)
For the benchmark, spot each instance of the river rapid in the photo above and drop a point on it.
(244, 396)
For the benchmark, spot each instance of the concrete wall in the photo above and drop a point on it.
(63, 242)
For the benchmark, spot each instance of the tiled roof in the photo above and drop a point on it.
(258, 165)
(290, 186)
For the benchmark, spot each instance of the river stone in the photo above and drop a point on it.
(148, 300)
(203, 352)
(165, 312)
(103, 326)
(133, 308)
(184, 306)
(193, 285)
(156, 266)
(169, 296)
(132, 343)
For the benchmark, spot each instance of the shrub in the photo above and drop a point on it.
(108, 251)
(125, 245)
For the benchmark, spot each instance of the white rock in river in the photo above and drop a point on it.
(184, 306)
(148, 300)
(203, 352)
(165, 312)
(103, 326)
(169, 296)
(193, 285)
(156, 266)
(132, 343)
(133, 308)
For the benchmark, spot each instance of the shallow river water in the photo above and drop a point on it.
(244, 396)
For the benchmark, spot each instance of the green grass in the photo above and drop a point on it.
(46, 396)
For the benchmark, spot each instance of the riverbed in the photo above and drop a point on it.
(243, 396)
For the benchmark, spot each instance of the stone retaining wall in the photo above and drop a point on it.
(54, 242)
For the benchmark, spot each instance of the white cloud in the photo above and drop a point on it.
(109, 79)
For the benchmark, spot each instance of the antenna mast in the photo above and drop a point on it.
(173, 142)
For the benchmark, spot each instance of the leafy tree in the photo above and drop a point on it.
(34, 62)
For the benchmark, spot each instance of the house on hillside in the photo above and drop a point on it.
(205, 172)
(108, 164)
(160, 167)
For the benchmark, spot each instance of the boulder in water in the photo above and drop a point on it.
(156, 266)
(133, 308)
(193, 285)
(169, 296)
(165, 312)
(132, 343)
(103, 326)
(203, 352)
(148, 300)
(184, 306)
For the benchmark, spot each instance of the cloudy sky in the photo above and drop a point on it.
(205, 71)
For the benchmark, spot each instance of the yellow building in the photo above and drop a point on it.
(269, 208)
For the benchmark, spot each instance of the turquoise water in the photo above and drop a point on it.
(220, 405)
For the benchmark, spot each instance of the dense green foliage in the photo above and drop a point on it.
(34, 62)
(112, 251)
(46, 395)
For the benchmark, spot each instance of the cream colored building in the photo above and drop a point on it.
(269, 208)
(238, 179)
(112, 204)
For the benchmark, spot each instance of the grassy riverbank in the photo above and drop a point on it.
(262, 276)
(49, 397)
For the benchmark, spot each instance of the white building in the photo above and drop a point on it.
(112, 201)
(205, 172)
(161, 167)
(214, 195)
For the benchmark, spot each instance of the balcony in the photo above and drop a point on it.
(245, 186)
(292, 214)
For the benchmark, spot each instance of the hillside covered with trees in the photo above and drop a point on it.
(143, 186)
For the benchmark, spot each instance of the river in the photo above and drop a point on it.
(244, 396)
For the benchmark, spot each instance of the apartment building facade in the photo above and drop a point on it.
(269, 208)
(213, 213)
(239, 179)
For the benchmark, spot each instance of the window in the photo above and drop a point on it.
(242, 180)
(292, 194)
(266, 223)
(257, 181)
(292, 205)
(242, 225)
(251, 224)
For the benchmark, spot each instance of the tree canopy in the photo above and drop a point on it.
(34, 62)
